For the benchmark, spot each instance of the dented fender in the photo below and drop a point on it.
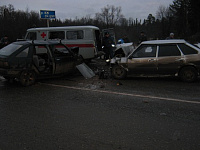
(122, 62)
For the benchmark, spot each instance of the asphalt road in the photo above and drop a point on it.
(73, 113)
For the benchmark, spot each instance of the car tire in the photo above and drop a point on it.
(27, 78)
(118, 72)
(188, 74)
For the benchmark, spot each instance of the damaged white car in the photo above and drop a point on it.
(123, 50)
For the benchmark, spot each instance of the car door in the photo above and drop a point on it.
(21, 59)
(42, 59)
(64, 60)
(143, 60)
(169, 59)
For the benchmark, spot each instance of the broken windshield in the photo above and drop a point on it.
(6, 51)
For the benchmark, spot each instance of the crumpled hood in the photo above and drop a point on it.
(126, 47)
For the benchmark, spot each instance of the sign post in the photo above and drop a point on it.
(47, 14)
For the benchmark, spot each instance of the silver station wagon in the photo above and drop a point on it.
(160, 57)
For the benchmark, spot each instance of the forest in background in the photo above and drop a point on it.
(182, 17)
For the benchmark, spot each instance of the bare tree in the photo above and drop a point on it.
(110, 15)
(161, 12)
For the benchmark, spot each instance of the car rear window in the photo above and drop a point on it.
(8, 50)
(168, 50)
(187, 50)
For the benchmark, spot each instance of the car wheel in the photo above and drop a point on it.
(27, 78)
(188, 74)
(118, 72)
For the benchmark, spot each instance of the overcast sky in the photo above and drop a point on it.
(66, 9)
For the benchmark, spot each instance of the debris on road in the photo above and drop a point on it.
(85, 70)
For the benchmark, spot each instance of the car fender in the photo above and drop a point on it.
(120, 61)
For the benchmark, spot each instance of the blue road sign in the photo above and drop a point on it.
(47, 14)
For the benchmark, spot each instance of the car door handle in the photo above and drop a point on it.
(151, 60)
(57, 59)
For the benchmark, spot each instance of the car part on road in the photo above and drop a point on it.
(104, 74)
(85, 70)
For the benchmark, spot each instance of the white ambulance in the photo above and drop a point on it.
(87, 38)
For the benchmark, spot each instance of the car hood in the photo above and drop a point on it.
(126, 47)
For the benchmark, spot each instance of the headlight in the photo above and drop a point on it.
(108, 60)
(113, 45)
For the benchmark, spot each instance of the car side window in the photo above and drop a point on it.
(145, 51)
(187, 50)
(23, 53)
(168, 50)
